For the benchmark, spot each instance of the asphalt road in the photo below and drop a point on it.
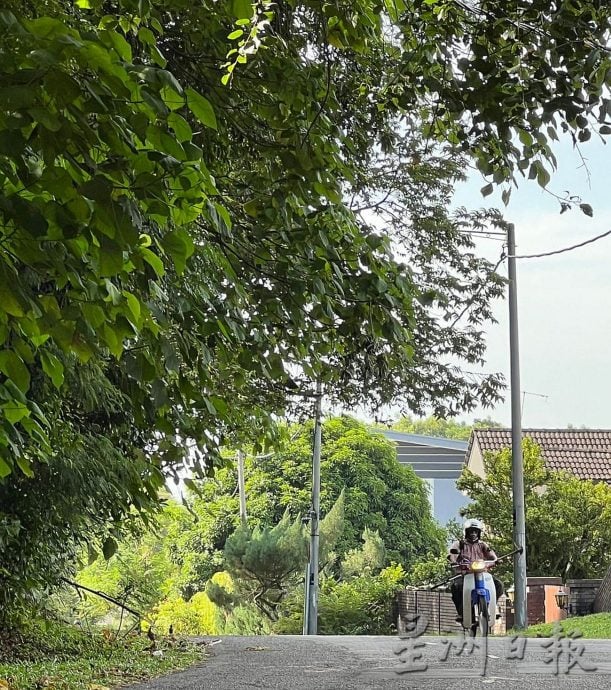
(346, 663)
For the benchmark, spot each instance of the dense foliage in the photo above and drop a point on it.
(568, 520)
(205, 207)
(362, 605)
(379, 494)
(442, 428)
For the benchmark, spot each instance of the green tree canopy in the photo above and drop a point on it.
(444, 428)
(568, 520)
(379, 495)
(208, 206)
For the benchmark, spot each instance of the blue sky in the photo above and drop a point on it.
(564, 300)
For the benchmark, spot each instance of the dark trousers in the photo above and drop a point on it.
(456, 590)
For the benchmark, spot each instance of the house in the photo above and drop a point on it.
(586, 453)
(439, 461)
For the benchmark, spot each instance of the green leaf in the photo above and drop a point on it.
(173, 100)
(179, 245)
(587, 209)
(124, 50)
(487, 189)
(201, 108)
(111, 259)
(52, 367)
(252, 208)
(153, 260)
(181, 127)
(5, 468)
(24, 465)
(109, 548)
(134, 305)
(168, 80)
(241, 9)
(9, 301)
(13, 367)
(113, 339)
(14, 411)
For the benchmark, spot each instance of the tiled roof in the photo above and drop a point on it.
(586, 453)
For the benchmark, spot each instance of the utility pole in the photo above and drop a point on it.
(311, 608)
(241, 488)
(517, 462)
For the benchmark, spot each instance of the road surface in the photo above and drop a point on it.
(352, 662)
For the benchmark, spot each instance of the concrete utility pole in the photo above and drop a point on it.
(241, 489)
(517, 463)
(311, 609)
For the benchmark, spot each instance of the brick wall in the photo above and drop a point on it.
(602, 601)
(582, 595)
(536, 598)
(535, 604)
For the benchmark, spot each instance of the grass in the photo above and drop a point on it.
(59, 657)
(596, 626)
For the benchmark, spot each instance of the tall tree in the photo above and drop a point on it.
(379, 494)
(213, 225)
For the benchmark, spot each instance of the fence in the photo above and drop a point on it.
(437, 610)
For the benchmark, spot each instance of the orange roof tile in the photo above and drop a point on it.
(586, 453)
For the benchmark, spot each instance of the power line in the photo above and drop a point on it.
(565, 249)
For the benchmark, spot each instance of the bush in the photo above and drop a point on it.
(245, 620)
(361, 606)
(198, 616)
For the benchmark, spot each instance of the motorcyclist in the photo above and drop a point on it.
(470, 548)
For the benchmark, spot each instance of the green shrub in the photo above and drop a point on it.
(361, 606)
(245, 620)
(198, 616)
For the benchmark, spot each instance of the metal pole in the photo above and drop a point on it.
(517, 464)
(312, 585)
(241, 488)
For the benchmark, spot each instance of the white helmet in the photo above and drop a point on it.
(471, 524)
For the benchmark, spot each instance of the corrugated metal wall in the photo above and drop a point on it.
(437, 615)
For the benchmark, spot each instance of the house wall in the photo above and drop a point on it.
(476, 460)
(582, 595)
(446, 500)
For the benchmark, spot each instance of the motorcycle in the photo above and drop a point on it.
(479, 597)
(479, 593)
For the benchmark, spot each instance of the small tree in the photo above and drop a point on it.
(368, 559)
(263, 560)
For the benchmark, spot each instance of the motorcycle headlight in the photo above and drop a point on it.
(478, 566)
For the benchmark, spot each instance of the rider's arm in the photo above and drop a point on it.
(489, 553)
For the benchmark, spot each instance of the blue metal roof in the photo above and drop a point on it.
(430, 457)
(417, 439)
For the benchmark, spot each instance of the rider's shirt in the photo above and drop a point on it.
(479, 551)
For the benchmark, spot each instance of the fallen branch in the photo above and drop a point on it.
(104, 596)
